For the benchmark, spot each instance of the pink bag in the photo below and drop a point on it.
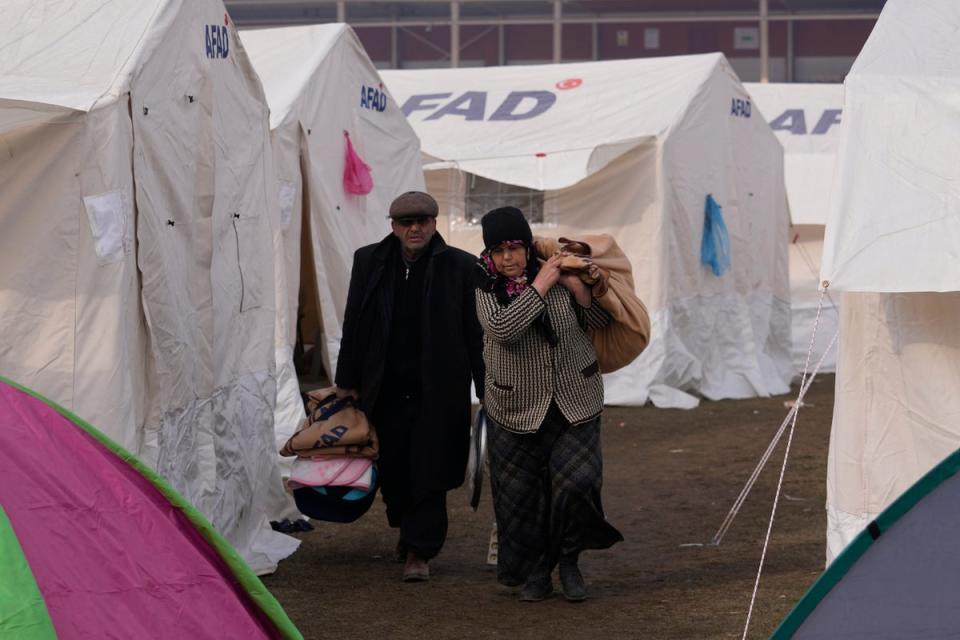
(356, 174)
(331, 471)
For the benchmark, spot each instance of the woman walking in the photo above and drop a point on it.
(543, 396)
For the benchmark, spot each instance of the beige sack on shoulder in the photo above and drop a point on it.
(619, 343)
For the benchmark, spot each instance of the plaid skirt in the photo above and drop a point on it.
(546, 495)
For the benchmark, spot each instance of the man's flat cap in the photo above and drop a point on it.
(414, 203)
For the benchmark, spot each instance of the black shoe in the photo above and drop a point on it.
(538, 587)
(283, 526)
(302, 525)
(571, 580)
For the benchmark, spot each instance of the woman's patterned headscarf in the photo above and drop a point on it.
(507, 288)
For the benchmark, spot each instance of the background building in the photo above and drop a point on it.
(776, 40)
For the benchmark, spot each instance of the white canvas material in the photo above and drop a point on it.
(896, 218)
(806, 120)
(892, 241)
(805, 249)
(632, 148)
(320, 83)
(136, 270)
(896, 407)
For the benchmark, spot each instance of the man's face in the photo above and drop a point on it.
(414, 232)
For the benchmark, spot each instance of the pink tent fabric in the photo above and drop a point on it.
(356, 173)
(112, 556)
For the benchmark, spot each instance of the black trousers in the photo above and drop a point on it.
(413, 506)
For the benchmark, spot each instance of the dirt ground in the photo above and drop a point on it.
(670, 477)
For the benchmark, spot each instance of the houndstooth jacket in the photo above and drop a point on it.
(525, 372)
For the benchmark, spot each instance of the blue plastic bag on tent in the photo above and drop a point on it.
(715, 246)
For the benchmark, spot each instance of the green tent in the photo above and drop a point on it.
(95, 545)
(899, 578)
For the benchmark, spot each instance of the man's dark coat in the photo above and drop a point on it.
(452, 348)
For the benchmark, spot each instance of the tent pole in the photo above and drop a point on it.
(595, 30)
(454, 34)
(501, 48)
(394, 46)
(557, 31)
(341, 11)
(764, 41)
(790, 54)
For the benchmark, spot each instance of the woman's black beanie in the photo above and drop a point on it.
(503, 224)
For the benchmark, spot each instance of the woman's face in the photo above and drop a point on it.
(510, 261)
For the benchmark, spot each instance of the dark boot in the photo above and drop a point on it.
(571, 580)
(538, 587)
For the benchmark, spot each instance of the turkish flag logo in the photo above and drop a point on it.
(569, 83)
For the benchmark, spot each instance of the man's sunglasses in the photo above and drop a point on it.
(409, 221)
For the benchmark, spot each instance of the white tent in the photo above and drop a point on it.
(135, 260)
(631, 148)
(319, 84)
(806, 118)
(892, 245)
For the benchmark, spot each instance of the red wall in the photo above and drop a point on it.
(577, 42)
(830, 37)
(529, 42)
(411, 45)
(535, 42)
(480, 43)
(376, 41)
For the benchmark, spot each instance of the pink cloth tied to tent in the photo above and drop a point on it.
(332, 471)
(356, 173)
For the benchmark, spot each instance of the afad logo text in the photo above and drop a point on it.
(216, 40)
(373, 98)
(472, 105)
(740, 108)
(795, 121)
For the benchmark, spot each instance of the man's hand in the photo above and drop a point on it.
(347, 393)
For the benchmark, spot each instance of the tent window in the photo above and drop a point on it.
(482, 195)
(108, 224)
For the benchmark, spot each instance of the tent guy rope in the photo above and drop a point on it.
(805, 383)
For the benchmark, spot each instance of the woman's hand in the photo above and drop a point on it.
(548, 275)
(576, 286)
(347, 393)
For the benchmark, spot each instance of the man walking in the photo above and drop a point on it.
(411, 344)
